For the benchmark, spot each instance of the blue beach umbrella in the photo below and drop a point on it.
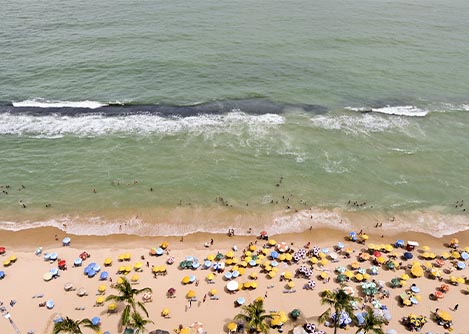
(235, 274)
(325, 250)
(252, 263)
(461, 265)
(96, 268)
(228, 275)
(2, 274)
(340, 245)
(103, 276)
(352, 236)
(399, 243)
(95, 320)
(159, 251)
(66, 241)
(274, 263)
(54, 272)
(464, 256)
(192, 278)
(207, 264)
(50, 304)
(53, 256)
(195, 265)
(274, 255)
(240, 300)
(46, 256)
(408, 255)
(78, 262)
(91, 273)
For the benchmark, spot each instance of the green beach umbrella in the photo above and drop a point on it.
(295, 313)
(341, 278)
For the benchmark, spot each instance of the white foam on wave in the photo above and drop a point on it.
(53, 126)
(411, 111)
(363, 124)
(42, 103)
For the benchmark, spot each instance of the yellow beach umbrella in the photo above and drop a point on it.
(372, 246)
(460, 280)
(324, 262)
(355, 265)
(232, 326)
(121, 269)
(229, 255)
(247, 285)
(291, 284)
(135, 278)
(127, 256)
(138, 266)
(359, 277)
(366, 277)
(381, 259)
(322, 255)
(6, 263)
(272, 274)
(288, 257)
(13, 258)
(445, 255)
(276, 322)
(365, 236)
(253, 285)
(444, 316)
(243, 264)
(100, 300)
(213, 292)
(405, 277)
(186, 280)
(313, 260)
(425, 248)
(120, 280)
(247, 259)
(253, 275)
(417, 271)
(388, 248)
(102, 288)
(272, 242)
(455, 255)
(252, 248)
(288, 275)
(428, 265)
(436, 272)
(282, 257)
(112, 307)
(235, 260)
(211, 257)
(247, 253)
(348, 273)
(107, 261)
(190, 294)
(323, 275)
(165, 312)
(210, 277)
(121, 257)
(128, 269)
(185, 330)
(164, 244)
(229, 262)
(241, 271)
(155, 269)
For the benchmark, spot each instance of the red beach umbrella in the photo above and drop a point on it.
(439, 294)
(2, 250)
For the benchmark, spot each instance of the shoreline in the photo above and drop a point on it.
(215, 220)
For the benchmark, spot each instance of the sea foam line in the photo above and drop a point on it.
(42, 103)
(53, 126)
(411, 111)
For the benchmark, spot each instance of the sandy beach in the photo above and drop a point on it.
(24, 284)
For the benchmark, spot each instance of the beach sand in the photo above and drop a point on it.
(24, 282)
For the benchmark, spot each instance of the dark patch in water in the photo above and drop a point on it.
(251, 106)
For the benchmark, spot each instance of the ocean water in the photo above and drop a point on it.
(157, 117)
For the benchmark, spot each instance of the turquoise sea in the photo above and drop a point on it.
(169, 117)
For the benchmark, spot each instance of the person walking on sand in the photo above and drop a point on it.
(456, 307)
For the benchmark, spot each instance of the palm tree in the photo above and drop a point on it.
(339, 301)
(73, 326)
(255, 317)
(372, 324)
(138, 323)
(127, 295)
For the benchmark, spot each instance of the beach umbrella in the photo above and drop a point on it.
(287, 275)
(352, 236)
(165, 312)
(272, 242)
(444, 287)
(295, 313)
(135, 278)
(53, 256)
(438, 294)
(405, 277)
(210, 277)
(170, 260)
(341, 269)
(240, 301)
(436, 272)
(190, 294)
(228, 275)
(96, 321)
(271, 274)
(374, 270)
(66, 241)
(408, 255)
(390, 264)
(186, 280)
(395, 282)
(54, 272)
(232, 326)
(81, 292)
(2, 250)
(311, 284)
(465, 256)
(461, 265)
(445, 255)
(232, 286)
(47, 276)
(50, 304)
(68, 286)
(341, 278)
(282, 247)
(103, 276)
(171, 292)
(219, 256)
(102, 288)
(417, 271)
(291, 285)
(100, 300)
(364, 256)
(455, 255)
(235, 273)
(274, 254)
(445, 316)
